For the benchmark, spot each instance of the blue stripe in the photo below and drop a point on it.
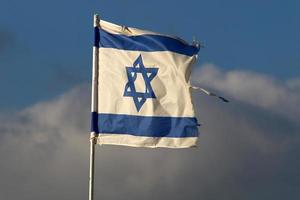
(96, 37)
(177, 127)
(94, 122)
(146, 43)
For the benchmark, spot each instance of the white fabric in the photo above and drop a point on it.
(151, 142)
(170, 86)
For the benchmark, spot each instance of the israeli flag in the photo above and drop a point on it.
(143, 91)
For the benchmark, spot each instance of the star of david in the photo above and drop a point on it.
(148, 74)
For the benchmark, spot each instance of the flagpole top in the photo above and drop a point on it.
(96, 20)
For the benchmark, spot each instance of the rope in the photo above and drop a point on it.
(210, 93)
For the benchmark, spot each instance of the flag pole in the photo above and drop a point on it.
(94, 105)
(92, 169)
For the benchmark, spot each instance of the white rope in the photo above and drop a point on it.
(209, 93)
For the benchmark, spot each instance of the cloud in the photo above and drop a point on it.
(43, 148)
(253, 88)
(247, 149)
(294, 84)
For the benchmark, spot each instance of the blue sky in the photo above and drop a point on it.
(47, 46)
(248, 148)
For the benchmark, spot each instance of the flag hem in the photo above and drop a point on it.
(148, 142)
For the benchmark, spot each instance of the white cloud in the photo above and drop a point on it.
(253, 88)
(294, 83)
(245, 151)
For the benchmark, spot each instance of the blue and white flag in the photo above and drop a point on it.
(144, 96)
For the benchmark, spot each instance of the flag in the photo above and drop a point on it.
(142, 88)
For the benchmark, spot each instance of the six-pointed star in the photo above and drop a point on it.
(148, 74)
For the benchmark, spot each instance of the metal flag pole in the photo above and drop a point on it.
(94, 105)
